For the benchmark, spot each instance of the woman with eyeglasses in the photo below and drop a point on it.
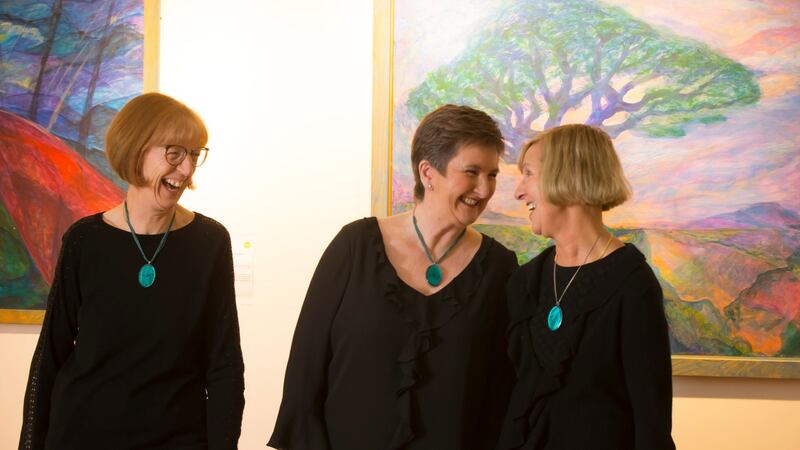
(140, 343)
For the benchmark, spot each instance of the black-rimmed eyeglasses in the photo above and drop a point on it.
(175, 154)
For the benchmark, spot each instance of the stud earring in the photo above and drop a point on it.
(430, 186)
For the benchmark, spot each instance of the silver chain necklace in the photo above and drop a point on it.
(556, 314)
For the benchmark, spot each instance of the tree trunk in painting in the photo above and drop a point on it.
(85, 125)
(48, 46)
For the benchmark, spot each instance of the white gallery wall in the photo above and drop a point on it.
(285, 88)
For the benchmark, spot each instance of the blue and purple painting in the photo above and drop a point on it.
(703, 102)
(68, 66)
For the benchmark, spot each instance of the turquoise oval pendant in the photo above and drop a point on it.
(434, 275)
(554, 318)
(147, 275)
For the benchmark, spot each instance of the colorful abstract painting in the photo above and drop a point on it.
(703, 102)
(67, 67)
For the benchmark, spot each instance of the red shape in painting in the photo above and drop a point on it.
(46, 186)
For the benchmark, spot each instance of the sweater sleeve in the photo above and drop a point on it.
(56, 344)
(647, 367)
(225, 367)
(301, 423)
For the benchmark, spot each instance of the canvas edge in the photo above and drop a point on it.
(735, 367)
(383, 29)
(22, 316)
(152, 27)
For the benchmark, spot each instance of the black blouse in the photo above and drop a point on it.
(602, 381)
(119, 366)
(376, 365)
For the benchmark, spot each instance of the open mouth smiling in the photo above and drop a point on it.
(470, 201)
(172, 185)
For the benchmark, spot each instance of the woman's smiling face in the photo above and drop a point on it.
(467, 184)
(529, 191)
(167, 181)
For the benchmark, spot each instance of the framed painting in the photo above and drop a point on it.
(705, 117)
(68, 66)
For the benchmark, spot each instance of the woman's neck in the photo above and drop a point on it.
(437, 227)
(581, 232)
(146, 216)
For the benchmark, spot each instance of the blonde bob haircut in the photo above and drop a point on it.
(579, 166)
(148, 120)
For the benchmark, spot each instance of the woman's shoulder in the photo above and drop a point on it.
(84, 226)
(641, 276)
(208, 224)
(357, 233)
(359, 227)
(624, 273)
(214, 236)
(363, 229)
(532, 267)
(203, 227)
(499, 253)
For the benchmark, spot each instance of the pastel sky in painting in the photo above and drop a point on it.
(751, 157)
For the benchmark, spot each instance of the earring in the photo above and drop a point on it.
(430, 186)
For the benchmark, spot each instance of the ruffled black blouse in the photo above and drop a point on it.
(376, 365)
(602, 381)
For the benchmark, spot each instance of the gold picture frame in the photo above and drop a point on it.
(382, 122)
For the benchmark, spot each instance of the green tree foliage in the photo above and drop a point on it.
(14, 261)
(539, 59)
(790, 339)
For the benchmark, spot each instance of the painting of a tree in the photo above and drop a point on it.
(539, 60)
(46, 47)
(704, 116)
(68, 66)
(71, 64)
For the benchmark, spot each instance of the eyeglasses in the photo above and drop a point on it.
(175, 154)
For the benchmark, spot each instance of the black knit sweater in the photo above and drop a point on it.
(119, 366)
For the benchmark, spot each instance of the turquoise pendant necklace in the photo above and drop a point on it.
(147, 273)
(434, 272)
(556, 315)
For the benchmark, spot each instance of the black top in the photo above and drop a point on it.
(376, 365)
(602, 381)
(119, 366)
